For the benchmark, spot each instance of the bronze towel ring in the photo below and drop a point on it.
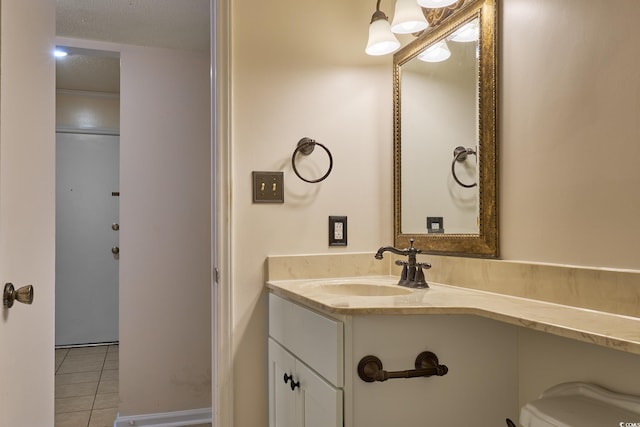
(460, 155)
(306, 146)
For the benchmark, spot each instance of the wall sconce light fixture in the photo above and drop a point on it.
(381, 39)
(469, 32)
(437, 53)
(409, 18)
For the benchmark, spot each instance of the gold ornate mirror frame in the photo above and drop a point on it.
(443, 24)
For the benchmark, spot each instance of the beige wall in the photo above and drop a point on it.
(569, 132)
(568, 149)
(165, 267)
(299, 69)
(88, 111)
(567, 135)
(546, 360)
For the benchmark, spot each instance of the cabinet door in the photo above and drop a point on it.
(312, 403)
(282, 400)
(321, 403)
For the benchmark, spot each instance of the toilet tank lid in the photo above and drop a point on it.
(581, 404)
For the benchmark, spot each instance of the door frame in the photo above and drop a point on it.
(221, 215)
(221, 277)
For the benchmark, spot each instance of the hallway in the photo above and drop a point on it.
(86, 381)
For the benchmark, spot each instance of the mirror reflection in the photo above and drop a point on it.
(444, 128)
(440, 113)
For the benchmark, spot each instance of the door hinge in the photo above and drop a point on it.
(216, 275)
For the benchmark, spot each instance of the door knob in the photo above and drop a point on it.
(23, 295)
(115, 226)
(115, 250)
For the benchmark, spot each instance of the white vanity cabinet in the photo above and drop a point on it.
(305, 367)
(311, 401)
(322, 351)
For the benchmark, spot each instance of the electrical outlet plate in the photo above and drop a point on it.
(337, 231)
(435, 224)
(268, 187)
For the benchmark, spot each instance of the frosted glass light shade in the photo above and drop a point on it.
(469, 32)
(435, 4)
(381, 39)
(437, 53)
(408, 18)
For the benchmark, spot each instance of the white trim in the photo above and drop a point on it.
(222, 360)
(88, 131)
(90, 52)
(88, 93)
(89, 44)
(167, 419)
(95, 344)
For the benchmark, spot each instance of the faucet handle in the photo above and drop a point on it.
(413, 249)
(404, 275)
(419, 280)
(424, 265)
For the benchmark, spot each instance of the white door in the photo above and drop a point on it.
(282, 399)
(87, 176)
(322, 402)
(298, 397)
(27, 217)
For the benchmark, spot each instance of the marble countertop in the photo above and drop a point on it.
(605, 329)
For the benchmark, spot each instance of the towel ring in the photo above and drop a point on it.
(306, 147)
(460, 155)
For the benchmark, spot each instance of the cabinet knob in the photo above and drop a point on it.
(293, 384)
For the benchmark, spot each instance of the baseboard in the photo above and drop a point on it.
(168, 419)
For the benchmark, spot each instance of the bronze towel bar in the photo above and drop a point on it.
(370, 368)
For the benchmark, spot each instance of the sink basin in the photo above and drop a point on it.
(363, 290)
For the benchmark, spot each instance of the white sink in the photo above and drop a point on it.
(363, 289)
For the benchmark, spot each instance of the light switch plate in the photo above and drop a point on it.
(268, 187)
(337, 231)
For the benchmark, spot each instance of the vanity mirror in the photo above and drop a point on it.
(445, 133)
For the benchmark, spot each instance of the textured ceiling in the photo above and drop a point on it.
(82, 69)
(178, 24)
(175, 24)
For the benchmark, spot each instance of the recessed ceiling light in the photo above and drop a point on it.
(59, 53)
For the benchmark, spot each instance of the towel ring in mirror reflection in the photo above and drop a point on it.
(460, 155)
(306, 146)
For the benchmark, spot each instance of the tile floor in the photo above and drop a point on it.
(86, 386)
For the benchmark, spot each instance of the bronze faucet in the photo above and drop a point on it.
(412, 275)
